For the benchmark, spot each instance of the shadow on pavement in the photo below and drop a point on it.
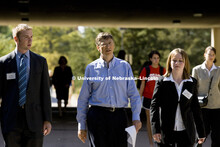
(64, 131)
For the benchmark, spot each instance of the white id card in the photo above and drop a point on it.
(10, 76)
(187, 94)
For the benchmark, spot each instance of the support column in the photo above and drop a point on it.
(215, 42)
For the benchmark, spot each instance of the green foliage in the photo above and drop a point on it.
(6, 40)
(80, 50)
(140, 42)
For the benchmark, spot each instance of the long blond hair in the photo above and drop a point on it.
(186, 70)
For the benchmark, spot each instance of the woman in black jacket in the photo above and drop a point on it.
(175, 108)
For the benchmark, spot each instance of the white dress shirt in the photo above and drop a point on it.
(179, 125)
(208, 71)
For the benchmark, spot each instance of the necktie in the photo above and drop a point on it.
(22, 82)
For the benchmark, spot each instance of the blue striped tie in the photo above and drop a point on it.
(22, 82)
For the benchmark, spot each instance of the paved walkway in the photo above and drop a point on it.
(64, 131)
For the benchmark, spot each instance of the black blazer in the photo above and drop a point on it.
(38, 101)
(163, 110)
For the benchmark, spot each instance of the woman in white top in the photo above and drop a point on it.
(211, 112)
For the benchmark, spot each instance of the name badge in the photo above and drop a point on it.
(10, 76)
(187, 94)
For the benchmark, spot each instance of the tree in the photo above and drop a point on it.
(80, 49)
(6, 41)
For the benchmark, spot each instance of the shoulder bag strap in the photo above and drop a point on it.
(210, 84)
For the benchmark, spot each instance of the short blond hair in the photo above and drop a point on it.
(186, 70)
(103, 35)
(19, 28)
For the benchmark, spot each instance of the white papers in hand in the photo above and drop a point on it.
(132, 135)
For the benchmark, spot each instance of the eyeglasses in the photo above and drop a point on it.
(101, 44)
(211, 55)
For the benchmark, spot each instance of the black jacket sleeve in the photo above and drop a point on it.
(155, 104)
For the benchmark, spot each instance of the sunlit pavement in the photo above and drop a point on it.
(64, 129)
(64, 133)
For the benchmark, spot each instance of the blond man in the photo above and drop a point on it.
(24, 89)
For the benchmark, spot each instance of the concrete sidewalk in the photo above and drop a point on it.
(64, 132)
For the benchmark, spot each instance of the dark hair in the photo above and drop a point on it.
(212, 49)
(151, 55)
(121, 54)
(62, 58)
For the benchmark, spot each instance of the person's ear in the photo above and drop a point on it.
(16, 39)
(98, 48)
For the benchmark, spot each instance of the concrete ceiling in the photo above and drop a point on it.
(132, 14)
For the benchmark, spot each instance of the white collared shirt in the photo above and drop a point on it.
(204, 67)
(179, 125)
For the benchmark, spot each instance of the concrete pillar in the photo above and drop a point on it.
(215, 42)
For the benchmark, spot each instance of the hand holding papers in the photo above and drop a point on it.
(132, 135)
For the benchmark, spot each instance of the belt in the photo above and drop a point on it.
(21, 107)
(111, 109)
